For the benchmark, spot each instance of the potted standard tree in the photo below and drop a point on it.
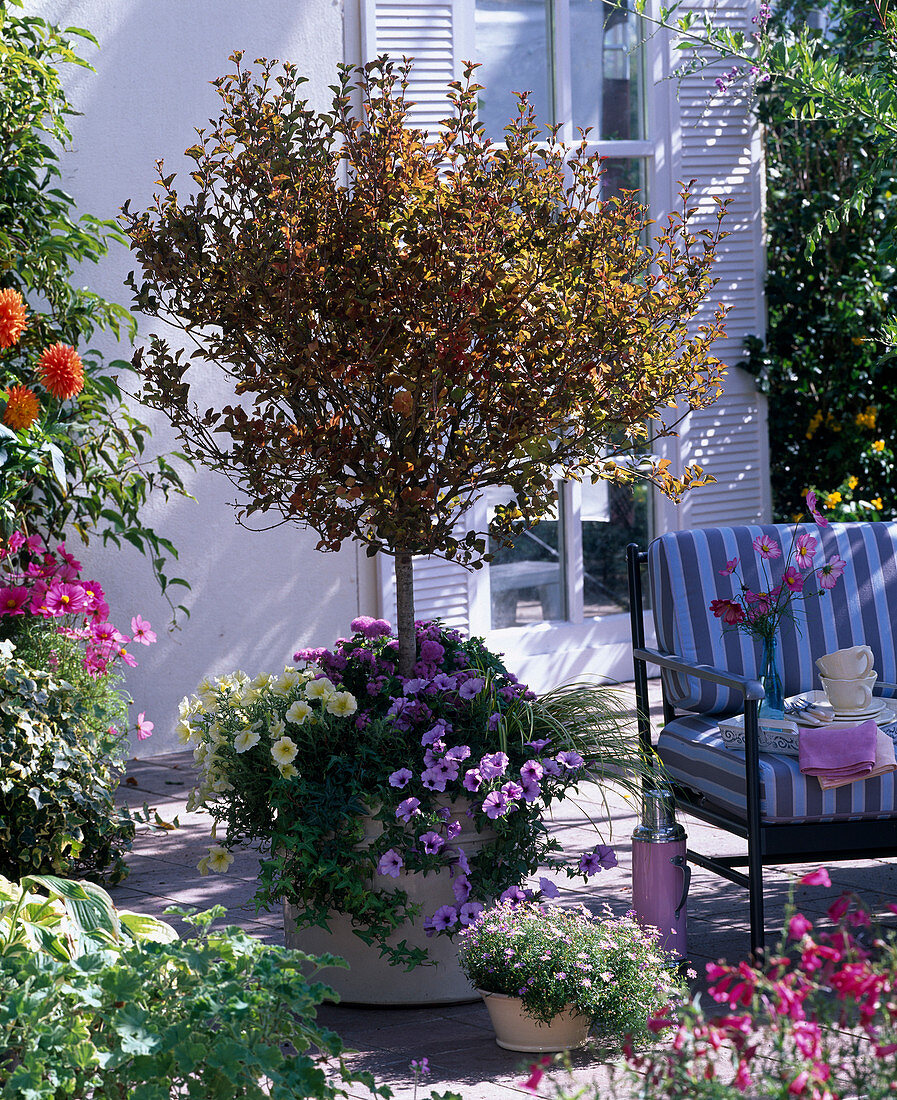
(403, 321)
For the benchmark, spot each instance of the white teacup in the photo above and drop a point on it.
(850, 696)
(846, 664)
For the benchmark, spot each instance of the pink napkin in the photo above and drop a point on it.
(838, 753)
(885, 761)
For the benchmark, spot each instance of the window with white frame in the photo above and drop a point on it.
(582, 64)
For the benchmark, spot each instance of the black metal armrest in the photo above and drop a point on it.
(750, 689)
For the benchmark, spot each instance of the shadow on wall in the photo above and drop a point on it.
(255, 597)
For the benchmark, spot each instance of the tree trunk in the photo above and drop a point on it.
(405, 614)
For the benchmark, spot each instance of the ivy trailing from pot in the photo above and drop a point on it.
(347, 775)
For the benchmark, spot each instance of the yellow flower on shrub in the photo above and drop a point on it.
(284, 751)
(832, 500)
(342, 704)
(878, 445)
(877, 504)
(852, 482)
(866, 419)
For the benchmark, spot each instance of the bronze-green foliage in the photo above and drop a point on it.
(58, 774)
(406, 320)
(44, 243)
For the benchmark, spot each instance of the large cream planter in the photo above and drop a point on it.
(515, 1030)
(370, 979)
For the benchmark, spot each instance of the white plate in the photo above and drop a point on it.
(823, 715)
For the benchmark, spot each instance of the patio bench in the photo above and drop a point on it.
(709, 672)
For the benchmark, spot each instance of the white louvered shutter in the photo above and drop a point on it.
(438, 35)
(719, 146)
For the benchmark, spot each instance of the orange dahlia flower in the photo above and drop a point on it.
(61, 371)
(22, 407)
(13, 317)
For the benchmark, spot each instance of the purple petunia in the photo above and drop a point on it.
(537, 745)
(472, 687)
(452, 829)
(569, 760)
(493, 765)
(512, 790)
(551, 767)
(469, 912)
(458, 752)
(443, 682)
(531, 791)
(548, 888)
(435, 733)
(431, 843)
(496, 804)
(400, 778)
(592, 862)
(445, 917)
(515, 894)
(494, 722)
(472, 780)
(412, 687)
(461, 888)
(461, 862)
(532, 771)
(408, 809)
(390, 864)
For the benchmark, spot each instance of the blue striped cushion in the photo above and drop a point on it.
(683, 576)
(695, 756)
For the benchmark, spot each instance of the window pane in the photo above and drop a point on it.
(526, 579)
(612, 516)
(605, 68)
(512, 42)
(624, 174)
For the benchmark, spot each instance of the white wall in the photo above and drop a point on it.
(255, 597)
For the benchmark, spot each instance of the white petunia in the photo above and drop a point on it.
(284, 751)
(341, 703)
(288, 770)
(319, 689)
(219, 858)
(298, 712)
(184, 731)
(246, 740)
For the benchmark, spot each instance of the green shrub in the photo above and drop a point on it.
(832, 396)
(97, 1003)
(59, 768)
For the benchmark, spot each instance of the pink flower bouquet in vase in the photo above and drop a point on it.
(758, 608)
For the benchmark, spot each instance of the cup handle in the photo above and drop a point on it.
(870, 661)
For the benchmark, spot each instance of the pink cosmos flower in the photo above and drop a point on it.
(792, 580)
(13, 600)
(16, 541)
(819, 877)
(729, 568)
(830, 572)
(142, 631)
(819, 518)
(767, 547)
(729, 611)
(804, 551)
(126, 657)
(33, 543)
(144, 728)
(64, 599)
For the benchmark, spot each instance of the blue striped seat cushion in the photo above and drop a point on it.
(683, 576)
(695, 756)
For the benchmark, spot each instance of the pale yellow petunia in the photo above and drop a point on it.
(319, 689)
(246, 740)
(288, 771)
(341, 703)
(298, 712)
(284, 751)
(219, 858)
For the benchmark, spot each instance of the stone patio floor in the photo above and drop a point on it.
(458, 1040)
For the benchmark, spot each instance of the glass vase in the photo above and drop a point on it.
(773, 702)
